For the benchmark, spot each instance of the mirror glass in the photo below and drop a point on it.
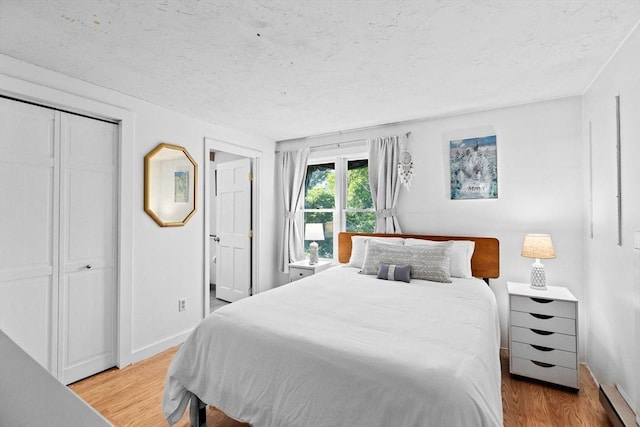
(170, 176)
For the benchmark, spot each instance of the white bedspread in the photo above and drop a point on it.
(343, 349)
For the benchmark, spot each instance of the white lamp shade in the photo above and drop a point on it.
(538, 246)
(313, 231)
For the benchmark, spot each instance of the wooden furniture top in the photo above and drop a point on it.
(485, 262)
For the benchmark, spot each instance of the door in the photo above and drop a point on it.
(58, 201)
(28, 214)
(88, 247)
(233, 219)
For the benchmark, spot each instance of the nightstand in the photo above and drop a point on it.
(543, 334)
(300, 269)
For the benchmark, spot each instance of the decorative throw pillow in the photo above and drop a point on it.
(427, 262)
(398, 273)
(359, 247)
(461, 253)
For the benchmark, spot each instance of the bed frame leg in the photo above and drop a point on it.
(197, 412)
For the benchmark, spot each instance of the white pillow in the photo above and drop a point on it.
(359, 247)
(427, 262)
(461, 253)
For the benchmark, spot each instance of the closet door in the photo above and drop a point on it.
(88, 247)
(28, 229)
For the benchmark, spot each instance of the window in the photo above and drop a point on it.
(359, 213)
(337, 195)
(320, 204)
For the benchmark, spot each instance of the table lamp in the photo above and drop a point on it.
(313, 232)
(538, 246)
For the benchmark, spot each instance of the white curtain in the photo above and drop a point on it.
(384, 155)
(294, 169)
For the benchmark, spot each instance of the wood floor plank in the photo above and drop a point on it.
(133, 397)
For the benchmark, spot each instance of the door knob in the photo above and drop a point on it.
(88, 266)
(216, 239)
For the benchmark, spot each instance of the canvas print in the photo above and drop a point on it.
(474, 168)
(181, 187)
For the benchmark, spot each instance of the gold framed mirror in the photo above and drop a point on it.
(170, 190)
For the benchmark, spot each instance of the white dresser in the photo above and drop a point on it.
(543, 334)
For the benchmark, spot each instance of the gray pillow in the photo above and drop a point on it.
(399, 273)
(359, 247)
(427, 262)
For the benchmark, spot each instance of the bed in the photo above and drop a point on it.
(341, 348)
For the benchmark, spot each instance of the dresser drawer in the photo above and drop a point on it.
(299, 273)
(553, 374)
(544, 322)
(543, 306)
(544, 354)
(547, 339)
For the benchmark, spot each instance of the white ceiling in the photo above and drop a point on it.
(286, 69)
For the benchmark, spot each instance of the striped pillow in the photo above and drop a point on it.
(426, 262)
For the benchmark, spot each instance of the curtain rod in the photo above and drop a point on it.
(330, 145)
(321, 147)
(342, 132)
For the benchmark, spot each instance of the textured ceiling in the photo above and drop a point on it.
(287, 69)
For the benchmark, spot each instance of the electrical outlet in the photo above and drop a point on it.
(182, 304)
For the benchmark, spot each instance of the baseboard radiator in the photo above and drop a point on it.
(616, 408)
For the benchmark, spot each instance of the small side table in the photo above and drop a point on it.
(543, 334)
(300, 269)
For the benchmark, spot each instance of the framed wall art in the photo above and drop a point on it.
(474, 168)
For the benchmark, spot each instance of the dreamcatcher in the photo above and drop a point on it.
(405, 165)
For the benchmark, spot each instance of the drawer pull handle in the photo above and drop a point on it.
(541, 348)
(541, 300)
(541, 316)
(542, 364)
(540, 332)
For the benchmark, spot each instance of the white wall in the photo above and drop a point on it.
(612, 279)
(540, 186)
(161, 265)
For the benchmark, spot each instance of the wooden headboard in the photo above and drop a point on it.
(485, 262)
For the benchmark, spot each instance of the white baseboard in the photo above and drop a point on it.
(159, 347)
(593, 377)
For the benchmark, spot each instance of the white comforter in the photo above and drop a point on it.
(343, 349)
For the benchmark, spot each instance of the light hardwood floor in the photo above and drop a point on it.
(133, 397)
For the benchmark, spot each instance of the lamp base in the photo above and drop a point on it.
(538, 277)
(313, 253)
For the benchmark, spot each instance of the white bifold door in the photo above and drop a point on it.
(58, 231)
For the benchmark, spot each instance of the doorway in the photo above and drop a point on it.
(230, 213)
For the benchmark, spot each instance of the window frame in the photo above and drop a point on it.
(340, 210)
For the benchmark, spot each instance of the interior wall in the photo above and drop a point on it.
(540, 186)
(166, 263)
(612, 283)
